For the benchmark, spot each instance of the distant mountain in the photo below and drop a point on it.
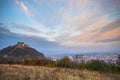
(20, 51)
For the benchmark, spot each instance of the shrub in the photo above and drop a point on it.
(97, 65)
(64, 62)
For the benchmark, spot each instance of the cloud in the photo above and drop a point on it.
(17, 2)
(103, 30)
(109, 34)
(1, 24)
(85, 22)
(116, 39)
(72, 22)
(24, 8)
(26, 28)
(115, 5)
(31, 31)
(3, 30)
(111, 26)
(75, 21)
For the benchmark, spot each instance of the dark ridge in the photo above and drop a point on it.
(21, 51)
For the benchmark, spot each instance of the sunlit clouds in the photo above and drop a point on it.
(24, 8)
(68, 23)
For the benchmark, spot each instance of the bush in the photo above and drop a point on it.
(64, 62)
(94, 65)
(97, 65)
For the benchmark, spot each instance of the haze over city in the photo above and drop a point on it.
(61, 26)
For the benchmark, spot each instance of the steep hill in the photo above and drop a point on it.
(21, 51)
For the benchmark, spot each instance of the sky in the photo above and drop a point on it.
(57, 27)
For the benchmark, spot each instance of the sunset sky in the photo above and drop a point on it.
(61, 26)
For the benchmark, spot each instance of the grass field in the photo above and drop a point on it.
(21, 72)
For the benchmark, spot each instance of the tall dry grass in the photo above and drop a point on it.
(21, 72)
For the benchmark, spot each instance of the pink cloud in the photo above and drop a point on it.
(24, 8)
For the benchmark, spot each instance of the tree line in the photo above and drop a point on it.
(94, 65)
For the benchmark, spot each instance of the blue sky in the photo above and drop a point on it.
(61, 26)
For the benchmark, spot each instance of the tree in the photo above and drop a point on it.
(64, 62)
(97, 65)
(118, 61)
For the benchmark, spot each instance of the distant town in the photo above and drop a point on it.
(106, 57)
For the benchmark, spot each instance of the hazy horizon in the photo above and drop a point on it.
(56, 27)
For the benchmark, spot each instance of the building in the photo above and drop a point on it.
(21, 44)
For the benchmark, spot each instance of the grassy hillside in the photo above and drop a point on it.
(21, 72)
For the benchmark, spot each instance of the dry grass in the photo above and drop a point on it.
(20, 72)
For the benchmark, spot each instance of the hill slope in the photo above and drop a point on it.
(21, 51)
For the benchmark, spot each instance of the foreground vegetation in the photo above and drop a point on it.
(93, 65)
(22, 72)
(64, 69)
